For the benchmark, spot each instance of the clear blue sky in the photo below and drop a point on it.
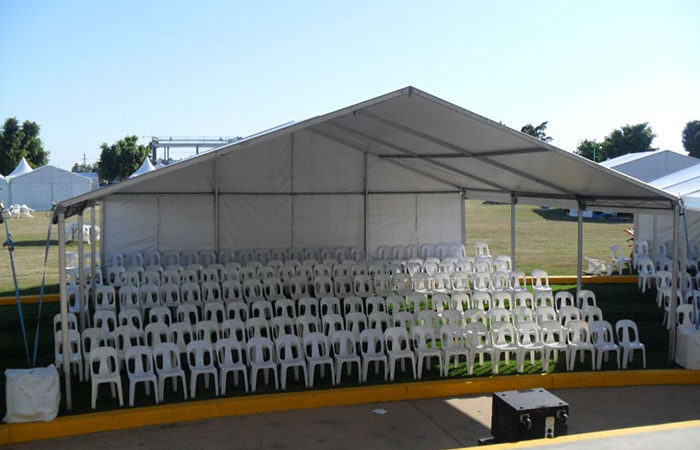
(91, 72)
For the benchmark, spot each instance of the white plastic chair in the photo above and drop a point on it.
(454, 346)
(524, 298)
(503, 341)
(546, 314)
(628, 339)
(379, 321)
(166, 357)
(618, 258)
(554, 341)
(309, 306)
(478, 343)
(344, 347)
(528, 340)
(585, 298)
(139, 369)
(307, 324)
(104, 369)
(91, 338)
(75, 357)
(540, 281)
(564, 298)
(372, 351)
(200, 360)
(260, 353)
(398, 348)
(579, 340)
(568, 314)
(290, 355)
(592, 314)
(603, 339)
(646, 271)
(317, 352)
(425, 347)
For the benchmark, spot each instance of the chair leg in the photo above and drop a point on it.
(119, 390)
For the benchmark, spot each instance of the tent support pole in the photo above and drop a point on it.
(81, 271)
(103, 235)
(93, 255)
(674, 289)
(464, 220)
(217, 242)
(654, 243)
(366, 168)
(579, 247)
(65, 344)
(513, 202)
(291, 189)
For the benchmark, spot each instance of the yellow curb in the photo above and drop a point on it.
(263, 403)
(27, 299)
(594, 435)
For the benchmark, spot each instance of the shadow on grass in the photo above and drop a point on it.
(562, 215)
(37, 243)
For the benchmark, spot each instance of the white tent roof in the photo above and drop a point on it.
(22, 168)
(146, 167)
(648, 166)
(427, 136)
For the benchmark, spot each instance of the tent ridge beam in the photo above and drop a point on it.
(517, 151)
(408, 152)
(459, 149)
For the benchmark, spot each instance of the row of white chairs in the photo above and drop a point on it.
(216, 358)
(264, 255)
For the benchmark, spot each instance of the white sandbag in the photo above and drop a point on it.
(32, 394)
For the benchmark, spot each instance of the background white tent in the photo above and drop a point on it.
(145, 167)
(22, 168)
(4, 191)
(649, 166)
(43, 186)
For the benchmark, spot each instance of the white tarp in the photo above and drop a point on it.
(42, 187)
(22, 168)
(32, 394)
(345, 178)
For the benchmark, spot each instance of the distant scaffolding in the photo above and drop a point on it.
(196, 143)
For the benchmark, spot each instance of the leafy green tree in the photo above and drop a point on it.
(79, 167)
(691, 138)
(589, 149)
(538, 131)
(121, 159)
(17, 142)
(628, 139)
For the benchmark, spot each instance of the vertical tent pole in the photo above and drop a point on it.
(81, 271)
(64, 306)
(366, 237)
(103, 235)
(683, 249)
(464, 219)
(93, 251)
(654, 243)
(674, 289)
(513, 202)
(217, 228)
(579, 248)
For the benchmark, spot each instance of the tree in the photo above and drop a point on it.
(20, 142)
(84, 168)
(628, 139)
(691, 138)
(121, 159)
(537, 131)
(589, 149)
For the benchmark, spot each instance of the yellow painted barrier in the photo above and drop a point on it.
(263, 403)
(28, 299)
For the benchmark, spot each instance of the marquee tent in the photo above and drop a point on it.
(22, 168)
(395, 169)
(648, 166)
(145, 167)
(4, 191)
(42, 187)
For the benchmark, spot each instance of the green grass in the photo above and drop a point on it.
(545, 238)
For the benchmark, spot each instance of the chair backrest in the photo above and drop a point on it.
(553, 332)
(138, 360)
(355, 322)
(332, 323)
(237, 310)
(451, 336)
(105, 319)
(403, 319)
(307, 324)
(156, 333)
(523, 298)
(601, 332)
(131, 317)
(187, 313)
(499, 315)
(585, 298)
(206, 330)
(564, 298)
(92, 338)
(316, 345)
(502, 299)
(474, 315)
(592, 314)
(288, 348)
(540, 278)
(423, 337)
(481, 300)
(371, 342)
(104, 363)
(626, 331)
(578, 332)
(190, 292)
(258, 327)
(397, 339)
(234, 329)
(353, 304)
(181, 335)
(329, 305)
(543, 298)
(481, 249)
(72, 322)
(482, 281)
(685, 315)
(309, 306)
(200, 354)
(105, 297)
(502, 333)
(395, 303)
(428, 318)
(343, 344)
(261, 308)
(260, 350)
(527, 333)
(546, 314)
(379, 321)
(569, 313)
(229, 352)
(460, 301)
